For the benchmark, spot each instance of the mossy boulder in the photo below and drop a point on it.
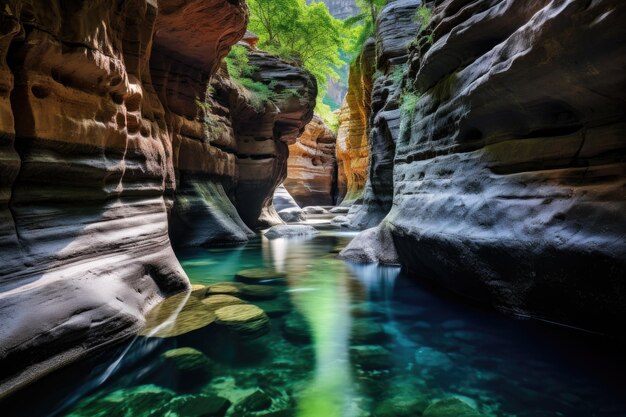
(257, 401)
(230, 288)
(196, 406)
(140, 401)
(215, 302)
(258, 292)
(451, 407)
(176, 316)
(244, 320)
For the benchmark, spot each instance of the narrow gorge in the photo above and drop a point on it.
(376, 208)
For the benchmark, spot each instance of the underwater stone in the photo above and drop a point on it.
(177, 315)
(245, 320)
(137, 401)
(403, 406)
(193, 366)
(296, 328)
(431, 358)
(230, 288)
(196, 406)
(371, 357)
(262, 276)
(258, 292)
(215, 302)
(451, 407)
(290, 230)
(257, 401)
(366, 331)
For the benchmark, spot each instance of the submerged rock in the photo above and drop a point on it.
(287, 231)
(184, 368)
(261, 276)
(371, 357)
(244, 320)
(258, 292)
(427, 357)
(451, 407)
(230, 288)
(196, 406)
(257, 401)
(141, 401)
(176, 316)
(296, 328)
(215, 302)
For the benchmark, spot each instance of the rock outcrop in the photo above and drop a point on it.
(352, 140)
(509, 172)
(395, 30)
(89, 152)
(263, 136)
(312, 166)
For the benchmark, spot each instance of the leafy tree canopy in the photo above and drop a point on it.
(306, 35)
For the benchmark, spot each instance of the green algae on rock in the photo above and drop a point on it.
(176, 316)
(244, 320)
(215, 302)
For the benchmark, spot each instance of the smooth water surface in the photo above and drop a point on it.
(346, 340)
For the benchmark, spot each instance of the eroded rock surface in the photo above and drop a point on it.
(312, 166)
(90, 149)
(509, 177)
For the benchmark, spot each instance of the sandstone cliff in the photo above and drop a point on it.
(312, 166)
(352, 137)
(89, 152)
(509, 171)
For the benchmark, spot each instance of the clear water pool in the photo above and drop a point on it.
(343, 340)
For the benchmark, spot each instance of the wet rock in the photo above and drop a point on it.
(402, 406)
(296, 329)
(191, 367)
(315, 210)
(366, 331)
(198, 291)
(292, 215)
(257, 401)
(196, 406)
(230, 288)
(177, 315)
(215, 302)
(287, 231)
(245, 320)
(451, 407)
(340, 210)
(371, 357)
(258, 292)
(137, 401)
(341, 221)
(276, 308)
(261, 276)
(372, 246)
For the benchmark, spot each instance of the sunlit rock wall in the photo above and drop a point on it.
(395, 30)
(510, 176)
(312, 166)
(88, 167)
(204, 145)
(263, 135)
(352, 140)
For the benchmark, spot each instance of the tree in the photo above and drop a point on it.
(307, 36)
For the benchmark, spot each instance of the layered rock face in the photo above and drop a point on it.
(203, 140)
(86, 158)
(352, 137)
(396, 28)
(312, 166)
(263, 136)
(509, 176)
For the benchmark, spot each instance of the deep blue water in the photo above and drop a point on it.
(346, 340)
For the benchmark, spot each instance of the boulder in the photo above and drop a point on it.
(451, 407)
(287, 231)
(244, 320)
(372, 246)
(261, 276)
(177, 315)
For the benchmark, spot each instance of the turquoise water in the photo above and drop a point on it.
(343, 340)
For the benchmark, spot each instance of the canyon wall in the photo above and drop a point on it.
(509, 170)
(341, 9)
(312, 166)
(263, 137)
(90, 150)
(352, 137)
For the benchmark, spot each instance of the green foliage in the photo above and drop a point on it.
(423, 17)
(409, 100)
(305, 35)
(240, 71)
(363, 25)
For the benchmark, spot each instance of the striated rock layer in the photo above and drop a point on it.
(89, 152)
(352, 137)
(263, 135)
(509, 177)
(312, 166)
(395, 30)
